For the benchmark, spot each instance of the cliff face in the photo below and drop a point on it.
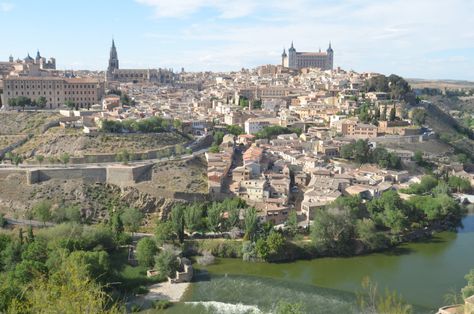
(96, 201)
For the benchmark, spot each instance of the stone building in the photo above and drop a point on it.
(84, 92)
(299, 60)
(115, 74)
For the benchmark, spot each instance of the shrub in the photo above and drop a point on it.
(206, 259)
(161, 304)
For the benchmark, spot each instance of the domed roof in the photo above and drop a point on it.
(29, 58)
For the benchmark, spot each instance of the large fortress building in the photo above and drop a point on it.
(299, 60)
(115, 74)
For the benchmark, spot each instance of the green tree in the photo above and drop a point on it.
(459, 185)
(96, 264)
(123, 156)
(393, 114)
(214, 216)
(146, 251)
(117, 225)
(275, 242)
(164, 232)
(132, 219)
(3, 221)
(17, 159)
(418, 116)
(332, 233)
(235, 130)
(372, 301)
(193, 217)
(69, 289)
(42, 101)
(285, 307)
(250, 223)
(468, 290)
(214, 149)
(166, 263)
(262, 249)
(177, 219)
(39, 159)
(70, 104)
(292, 223)
(367, 233)
(73, 213)
(42, 211)
(65, 158)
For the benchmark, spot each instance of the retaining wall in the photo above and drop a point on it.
(88, 175)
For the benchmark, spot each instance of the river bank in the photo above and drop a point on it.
(422, 272)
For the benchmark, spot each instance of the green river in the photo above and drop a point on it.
(422, 272)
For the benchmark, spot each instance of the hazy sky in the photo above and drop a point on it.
(413, 38)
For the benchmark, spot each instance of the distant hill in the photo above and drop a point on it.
(441, 84)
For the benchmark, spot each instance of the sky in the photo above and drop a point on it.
(431, 39)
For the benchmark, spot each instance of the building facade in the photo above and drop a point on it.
(115, 74)
(57, 90)
(299, 60)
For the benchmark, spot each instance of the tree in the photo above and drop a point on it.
(262, 249)
(166, 263)
(468, 290)
(275, 242)
(65, 158)
(3, 221)
(164, 232)
(69, 289)
(284, 307)
(69, 104)
(179, 149)
(123, 156)
(42, 211)
(418, 158)
(42, 101)
(117, 225)
(393, 114)
(332, 233)
(214, 149)
(235, 130)
(250, 223)
(459, 184)
(214, 216)
(372, 301)
(17, 159)
(39, 159)
(177, 219)
(132, 219)
(96, 264)
(292, 223)
(367, 233)
(146, 251)
(177, 124)
(418, 116)
(193, 217)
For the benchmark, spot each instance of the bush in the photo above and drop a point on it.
(206, 259)
(146, 250)
(161, 304)
(166, 263)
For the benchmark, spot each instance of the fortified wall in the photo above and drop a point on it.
(121, 175)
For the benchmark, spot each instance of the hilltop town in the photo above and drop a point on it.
(251, 157)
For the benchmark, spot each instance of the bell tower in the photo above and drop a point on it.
(113, 61)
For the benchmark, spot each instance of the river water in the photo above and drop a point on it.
(421, 272)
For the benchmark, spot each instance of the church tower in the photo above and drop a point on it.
(113, 61)
(284, 59)
(330, 58)
(292, 63)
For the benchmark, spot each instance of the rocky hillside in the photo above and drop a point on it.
(95, 200)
